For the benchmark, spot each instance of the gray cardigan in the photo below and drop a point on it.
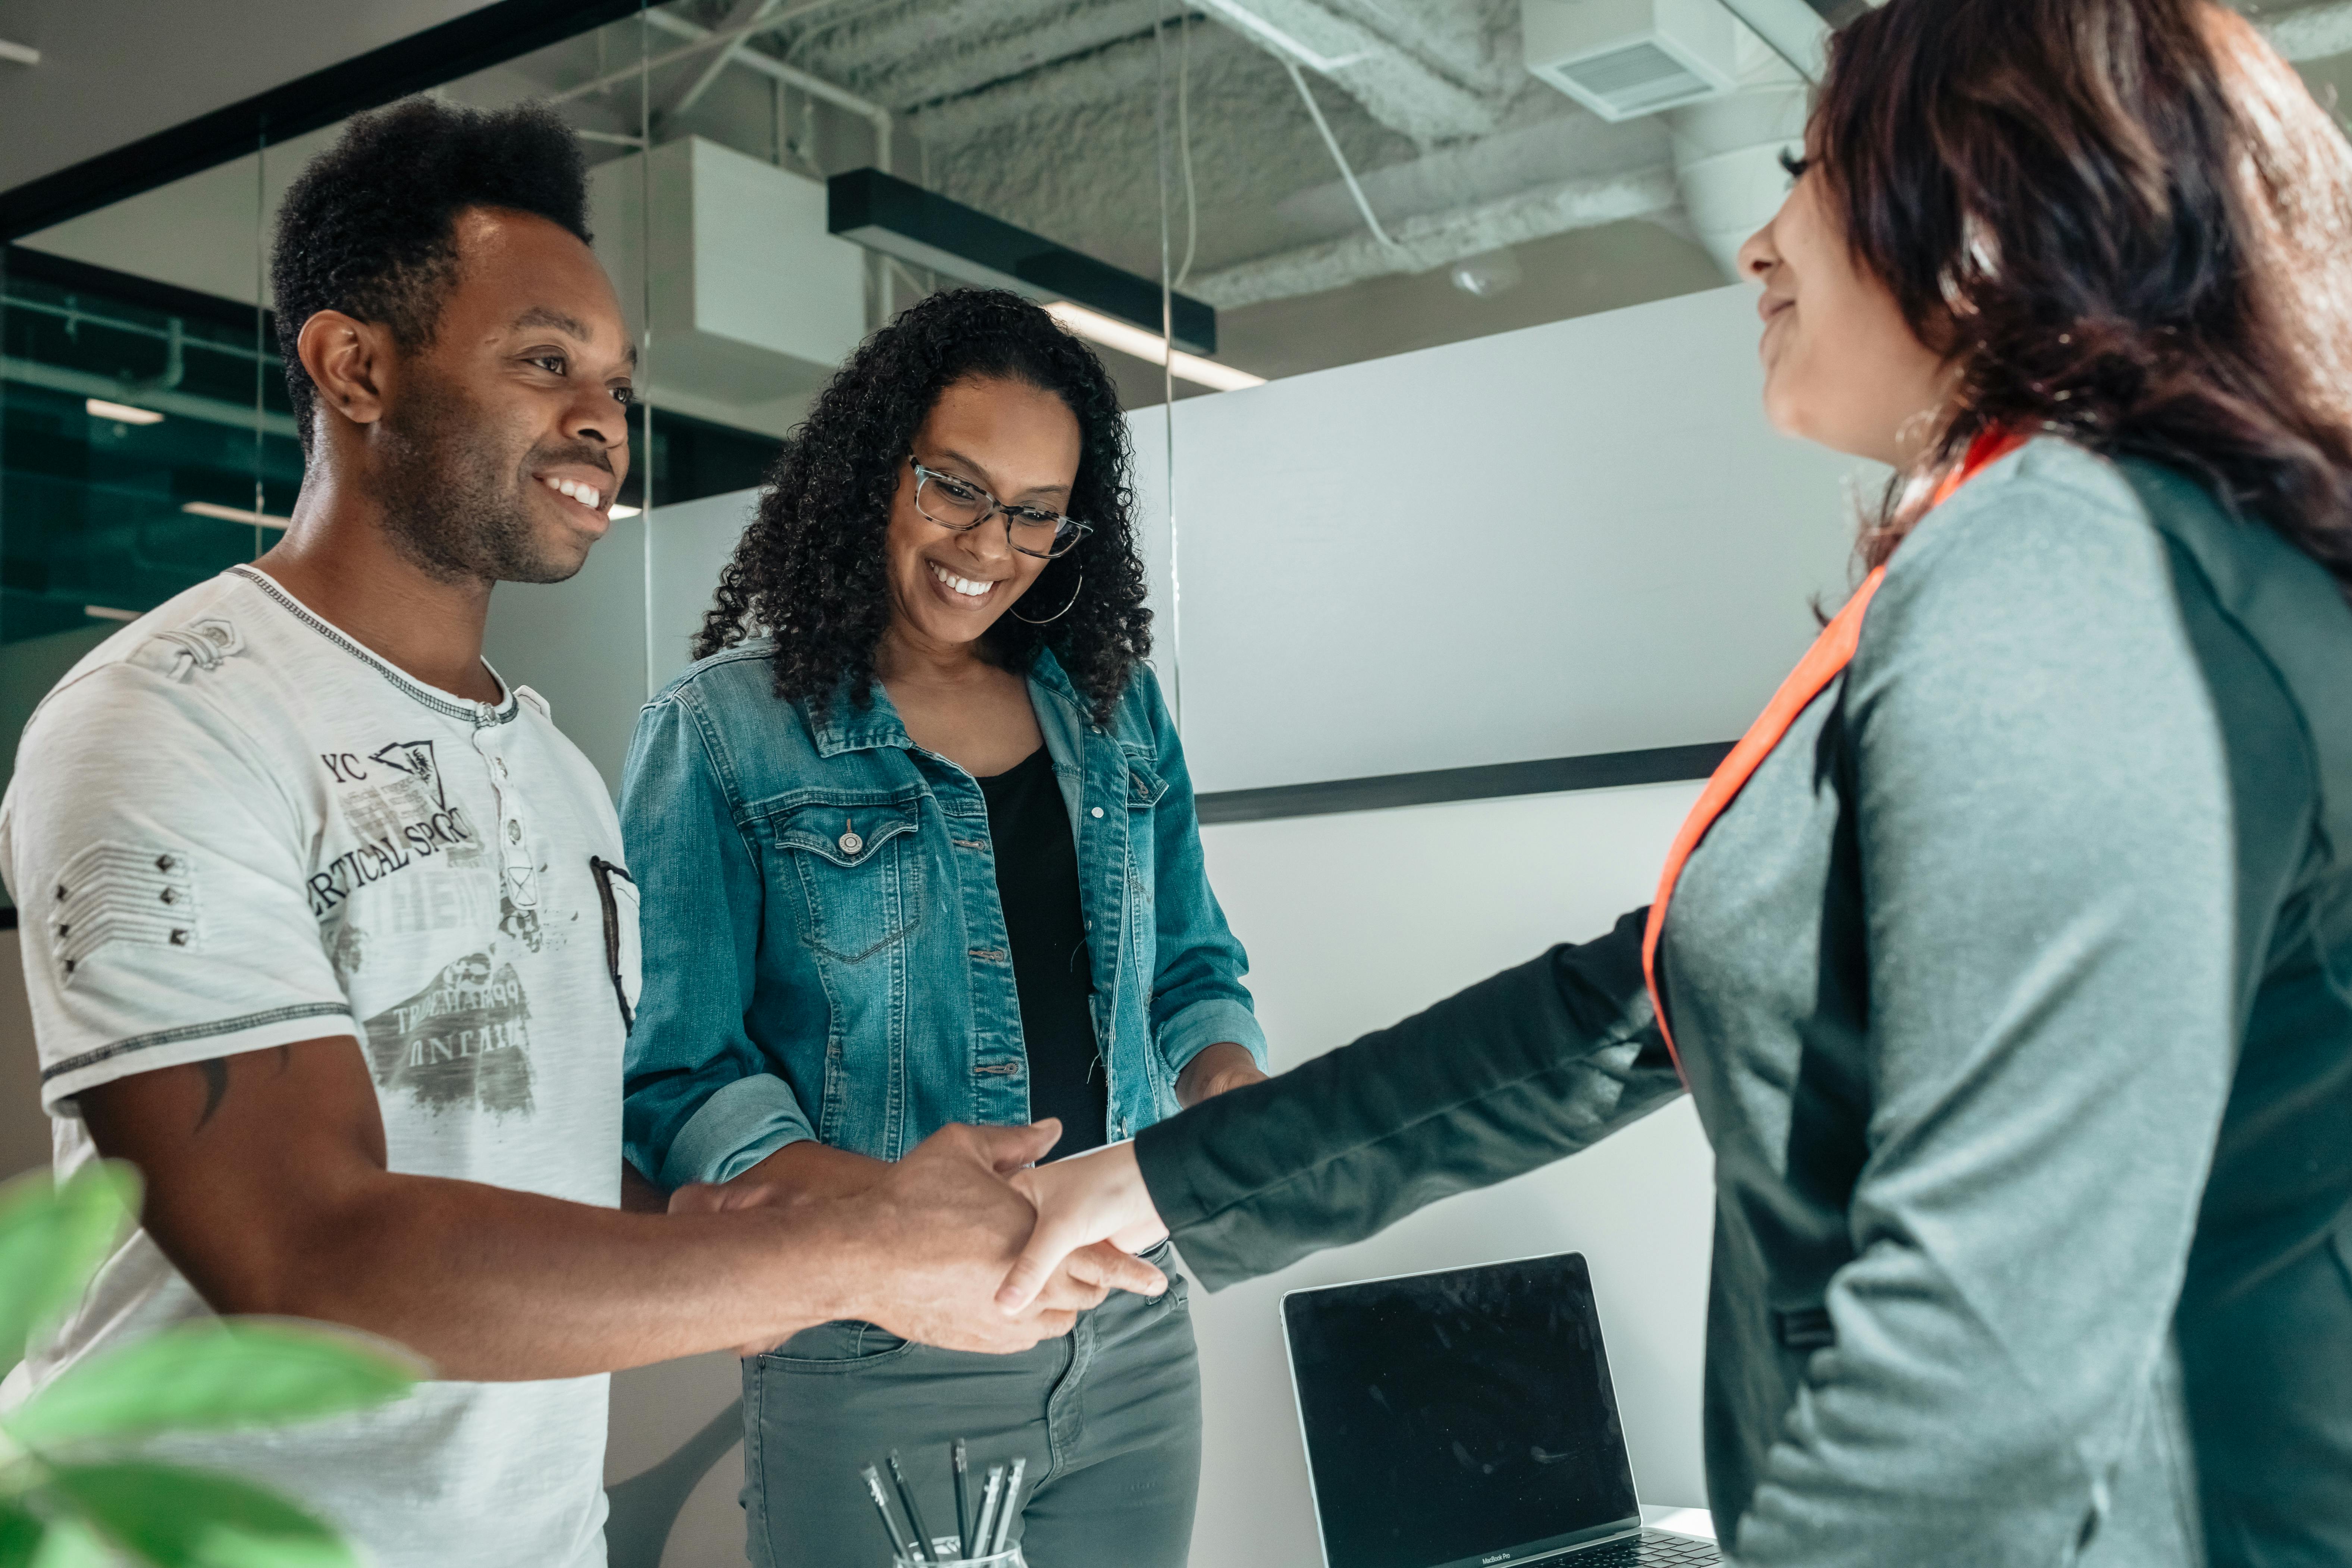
(2016, 996)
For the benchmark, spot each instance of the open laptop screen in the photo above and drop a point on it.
(1464, 1417)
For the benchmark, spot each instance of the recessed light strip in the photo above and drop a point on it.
(121, 412)
(1313, 60)
(234, 514)
(1096, 328)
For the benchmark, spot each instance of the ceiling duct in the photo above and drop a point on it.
(1626, 58)
(1728, 153)
(747, 297)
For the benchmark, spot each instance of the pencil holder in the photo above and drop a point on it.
(1009, 1558)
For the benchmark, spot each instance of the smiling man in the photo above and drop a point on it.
(326, 927)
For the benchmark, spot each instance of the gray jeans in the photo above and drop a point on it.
(1109, 1419)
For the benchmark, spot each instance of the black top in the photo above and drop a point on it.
(1038, 883)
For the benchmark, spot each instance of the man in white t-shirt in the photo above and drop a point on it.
(325, 928)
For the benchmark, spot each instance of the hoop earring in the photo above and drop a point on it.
(1057, 615)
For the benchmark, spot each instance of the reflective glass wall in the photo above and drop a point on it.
(1315, 183)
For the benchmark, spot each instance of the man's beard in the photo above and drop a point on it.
(452, 502)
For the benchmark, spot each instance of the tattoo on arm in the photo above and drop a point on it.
(215, 1072)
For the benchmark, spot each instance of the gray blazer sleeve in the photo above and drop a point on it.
(2047, 871)
(1513, 1073)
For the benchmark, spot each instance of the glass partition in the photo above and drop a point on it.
(1340, 182)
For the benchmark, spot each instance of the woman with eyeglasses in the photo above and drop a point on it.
(917, 846)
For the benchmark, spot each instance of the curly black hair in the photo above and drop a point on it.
(811, 571)
(370, 228)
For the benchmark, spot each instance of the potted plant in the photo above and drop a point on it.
(74, 1493)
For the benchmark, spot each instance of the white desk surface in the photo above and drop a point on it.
(1681, 1520)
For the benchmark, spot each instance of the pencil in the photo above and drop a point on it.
(907, 1501)
(961, 1460)
(1011, 1496)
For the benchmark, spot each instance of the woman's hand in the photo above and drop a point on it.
(811, 1174)
(1082, 1202)
(1220, 1067)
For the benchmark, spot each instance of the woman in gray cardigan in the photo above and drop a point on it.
(2010, 960)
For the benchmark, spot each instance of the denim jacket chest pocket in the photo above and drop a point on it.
(858, 870)
(1145, 789)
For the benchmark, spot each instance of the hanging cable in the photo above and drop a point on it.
(1184, 143)
(1345, 173)
(1168, 373)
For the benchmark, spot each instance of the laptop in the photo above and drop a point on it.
(1464, 1419)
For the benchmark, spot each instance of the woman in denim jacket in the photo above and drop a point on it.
(910, 859)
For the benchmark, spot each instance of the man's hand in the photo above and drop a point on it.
(1215, 1070)
(1089, 1199)
(934, 1235)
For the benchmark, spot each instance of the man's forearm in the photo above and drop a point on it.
(492, 1285)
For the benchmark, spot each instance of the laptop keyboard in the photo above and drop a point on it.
(1656, 1548)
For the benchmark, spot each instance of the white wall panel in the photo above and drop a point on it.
(1578, 538)
(1353, 922)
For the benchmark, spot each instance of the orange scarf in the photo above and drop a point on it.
(1822, 663)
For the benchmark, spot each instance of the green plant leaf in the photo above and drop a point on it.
(20, 1536)
(69, 1544)
(195, 1519)
(52, 1240)
(217, 1374)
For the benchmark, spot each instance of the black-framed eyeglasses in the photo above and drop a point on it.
(963, 506)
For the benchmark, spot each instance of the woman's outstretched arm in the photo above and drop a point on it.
(1510, 1075)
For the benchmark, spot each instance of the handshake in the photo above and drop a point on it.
(966, 1242)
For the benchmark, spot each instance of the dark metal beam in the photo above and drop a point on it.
(882, 212)
(1498, 781)
(479, 39)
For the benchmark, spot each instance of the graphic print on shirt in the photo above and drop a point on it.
(463, 1042)
(394, 795)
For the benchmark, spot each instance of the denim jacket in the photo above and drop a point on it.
(825, 954)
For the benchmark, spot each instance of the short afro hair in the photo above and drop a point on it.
(370, 229)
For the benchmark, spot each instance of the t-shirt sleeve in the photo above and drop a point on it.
(160, 877)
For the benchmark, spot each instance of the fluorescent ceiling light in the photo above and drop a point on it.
(121, 412)
(1097, 328)
(884, 213)
(620, 511)
(109, 613)
(1234, 10)
(234, 514)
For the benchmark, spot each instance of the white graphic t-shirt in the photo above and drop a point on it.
(232, 828)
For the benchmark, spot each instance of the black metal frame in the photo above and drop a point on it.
(1496, 781)
(882, 212)
(475, 41)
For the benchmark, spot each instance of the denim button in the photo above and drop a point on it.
(1098, 811)
(851, 843)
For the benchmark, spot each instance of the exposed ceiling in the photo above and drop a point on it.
(1087, 119)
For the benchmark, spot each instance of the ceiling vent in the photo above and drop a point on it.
(1626, 58)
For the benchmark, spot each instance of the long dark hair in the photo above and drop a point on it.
(810, 571)
(2127, 221)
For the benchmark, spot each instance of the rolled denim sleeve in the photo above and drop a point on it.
(1197, 996)
(1495, 1081)
(701, 1103)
